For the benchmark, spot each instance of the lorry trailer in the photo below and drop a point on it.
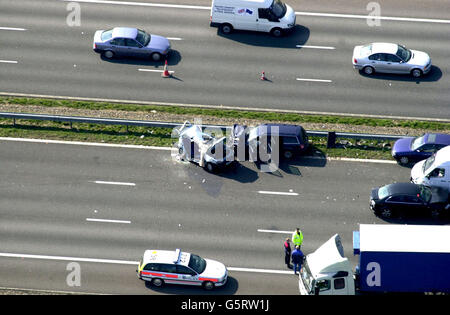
(392, 259)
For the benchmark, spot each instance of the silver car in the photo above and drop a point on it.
(390, 58)
(130, 42)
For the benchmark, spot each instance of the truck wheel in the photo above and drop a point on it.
(226, 28)
(158, 282)
(276, 32)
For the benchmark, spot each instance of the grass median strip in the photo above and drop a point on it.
(162, 136)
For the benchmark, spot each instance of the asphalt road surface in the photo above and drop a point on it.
(310, 70)
(101, 207)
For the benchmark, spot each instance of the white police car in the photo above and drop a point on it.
(163, 266)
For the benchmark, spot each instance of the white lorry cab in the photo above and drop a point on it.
(434, 171)
(272, 16)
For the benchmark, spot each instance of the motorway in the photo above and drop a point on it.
(103, 206)
(310, 70)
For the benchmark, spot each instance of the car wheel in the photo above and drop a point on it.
(209, 167)
(435, 213)
(226, 28)
(287, 155)
(156, 56)
(368, 70)
(276, 32)
(384, 212)
(416, 73)
(404, 160)
(158, 282)
(108, 54)
(208, 285)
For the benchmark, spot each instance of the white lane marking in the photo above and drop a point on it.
(277, 193)
(313, 80)
(259, 270)
(259, 109)
(127, 146)
(275, 231)
(386, 18)
(107, 221)
(315, 47)
(111, 145)
(124, 262)
(141, 4)
(63, 258)
(333, 15)
(4, 28)
(174, 38)
(114, 183)
(8, 61)
(153, 70)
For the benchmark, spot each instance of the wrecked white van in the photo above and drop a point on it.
(272, 16)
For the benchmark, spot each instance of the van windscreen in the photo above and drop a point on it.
(278, 8)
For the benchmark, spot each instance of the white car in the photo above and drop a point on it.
(177, 267)
(390, 58)
(209, 152)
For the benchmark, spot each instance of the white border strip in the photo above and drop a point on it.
(143, 4)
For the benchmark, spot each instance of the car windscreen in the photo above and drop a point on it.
(143, 37)
(106, 35)
(425, 193)
(417, 143)
(197, 263)
(403, 53)
(383, 192)
(278, 8)
(428, 163)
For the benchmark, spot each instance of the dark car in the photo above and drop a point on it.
(411, 149)
(291, 139)
(408, 198)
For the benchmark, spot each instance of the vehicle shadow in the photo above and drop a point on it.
(299, 35)
(173, 58)
(229, 288)
(434, 75)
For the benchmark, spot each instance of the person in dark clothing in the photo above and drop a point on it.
(287, 253)
(297, 259)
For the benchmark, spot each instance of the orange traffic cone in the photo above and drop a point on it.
(263, 76)
(166, 73)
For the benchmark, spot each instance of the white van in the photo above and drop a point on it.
(271, 16)
(434, 171)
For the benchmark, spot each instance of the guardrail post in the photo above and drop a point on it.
(331, 139)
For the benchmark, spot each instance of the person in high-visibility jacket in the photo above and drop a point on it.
(297, 237)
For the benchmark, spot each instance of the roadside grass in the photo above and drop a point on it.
(234, 114)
